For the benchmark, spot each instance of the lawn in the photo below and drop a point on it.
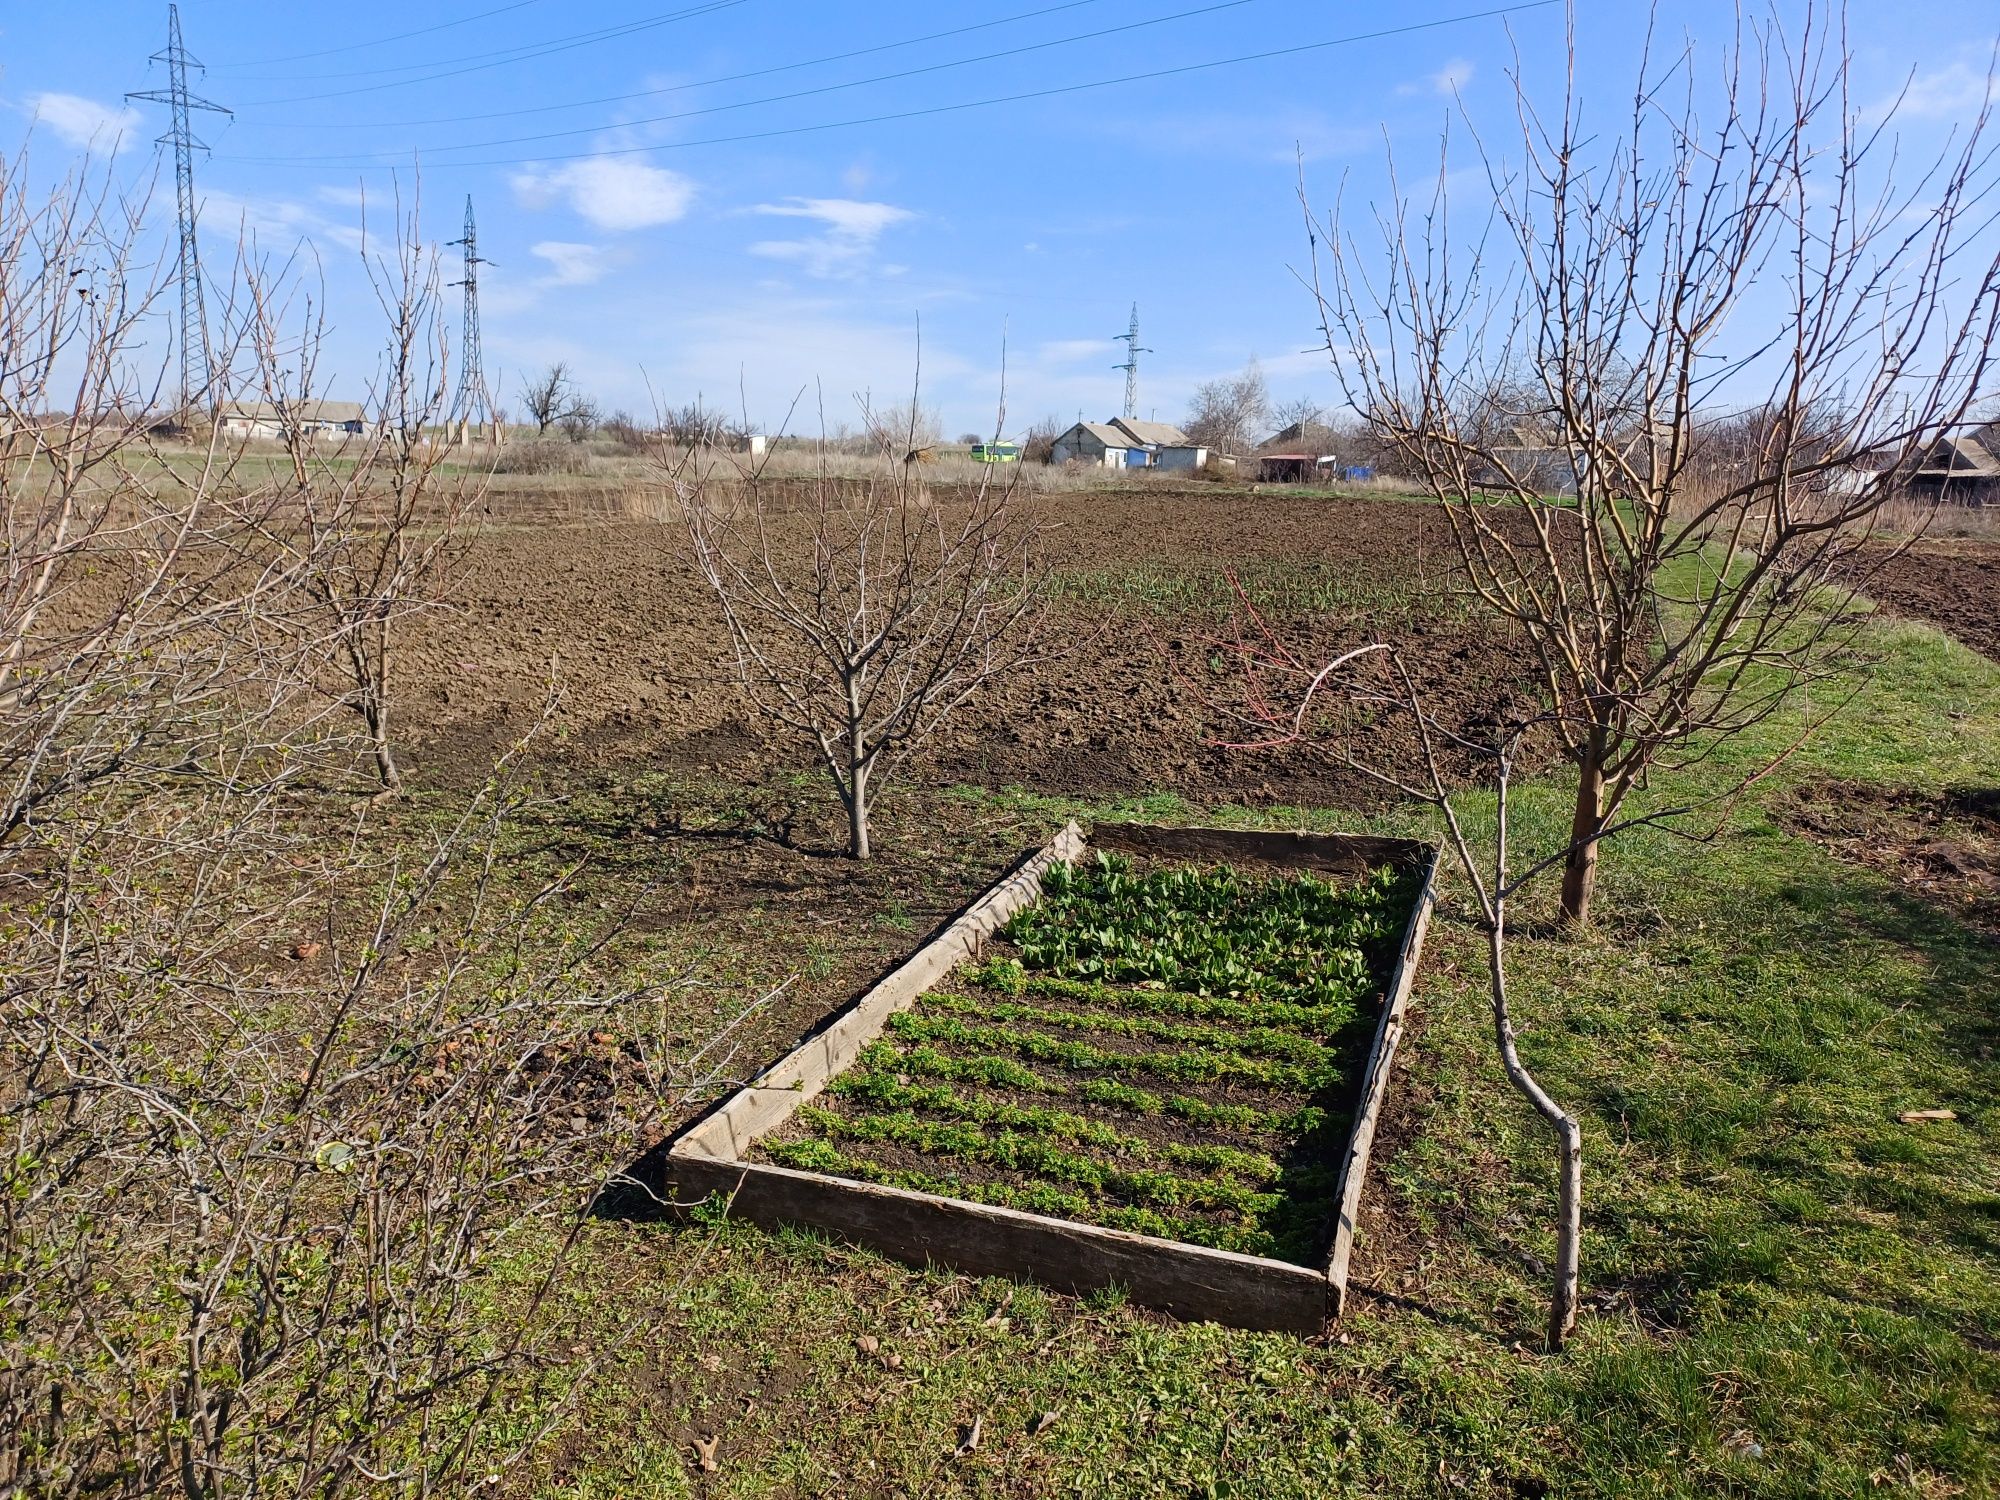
(1789, 1291)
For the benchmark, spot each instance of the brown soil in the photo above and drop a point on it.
(1944, 847)
(1954, 585)
(645, 667)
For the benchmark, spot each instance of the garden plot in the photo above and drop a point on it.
(1154, 1064)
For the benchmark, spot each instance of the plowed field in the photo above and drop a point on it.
(1144, 606)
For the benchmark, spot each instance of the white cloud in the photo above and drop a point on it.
(852, 228)
(1070, 351)
(229, 217)
(571, 264)
(1956, 91)
(611, 192)
(1448, 80)
(84, 122)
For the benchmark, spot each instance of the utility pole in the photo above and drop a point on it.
(473, 397)
(197, 363)
(1130, 338)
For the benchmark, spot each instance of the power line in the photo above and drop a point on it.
(501, 58)
(965, 104)
(380, 41)
(699, 83)
(829, 88)
(197, 364)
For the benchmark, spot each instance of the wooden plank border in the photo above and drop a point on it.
(1374, 1093)
(1189, 1281)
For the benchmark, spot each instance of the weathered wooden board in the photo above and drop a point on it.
(1188, 1281)
(771, 1098)
(1375, 1084)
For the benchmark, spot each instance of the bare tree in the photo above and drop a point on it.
(696, 426)
(276, 1091)
(1041, 440)
(862, 619)
(901, 428)
(579, 419)
(131, 645)
(251, 1202)
(1626, 295)
(1300, 411)
(374, 527)
(548, 396)
(1227, 415)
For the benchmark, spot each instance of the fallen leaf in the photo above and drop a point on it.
(1918, 1116)
(969, 1437)
(868, 1343)
(1042, 1423)
(704, 1452)
(306, 950)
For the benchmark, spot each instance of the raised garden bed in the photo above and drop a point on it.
(1151, 1060)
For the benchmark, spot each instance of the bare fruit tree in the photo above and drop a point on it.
(130, 643)
(372, 522)
(865, 612)
(304, 1115)
(254, 1193)
(1758, 248)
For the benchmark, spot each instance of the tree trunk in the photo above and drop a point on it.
(1569, 1231)
(1586, 822)
(375, 713)
(857, 811)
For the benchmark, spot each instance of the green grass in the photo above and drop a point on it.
(1279, 589)
(1788, 1291)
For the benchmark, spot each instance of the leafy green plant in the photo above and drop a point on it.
(1162, 1051)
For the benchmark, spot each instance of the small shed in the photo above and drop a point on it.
(1294, 468)
(1098, 443)
(275, 419)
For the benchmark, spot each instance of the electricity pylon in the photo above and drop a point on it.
(473, 401)
(197, 366)
(1131, 366)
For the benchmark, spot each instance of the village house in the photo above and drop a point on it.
(1961, 469)
(274, 419)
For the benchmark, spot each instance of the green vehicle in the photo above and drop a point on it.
(996, 453)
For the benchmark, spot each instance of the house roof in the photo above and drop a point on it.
(1151, 434)
(302, 411)
(1280, 444)
(1962, 455)
(1106, 434)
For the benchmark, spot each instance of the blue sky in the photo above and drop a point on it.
(669, 226)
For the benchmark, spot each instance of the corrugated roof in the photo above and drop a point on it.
(1152, 434)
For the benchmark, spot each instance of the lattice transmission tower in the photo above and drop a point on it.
(197, 361)
(473, 402)
(1133, 350)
